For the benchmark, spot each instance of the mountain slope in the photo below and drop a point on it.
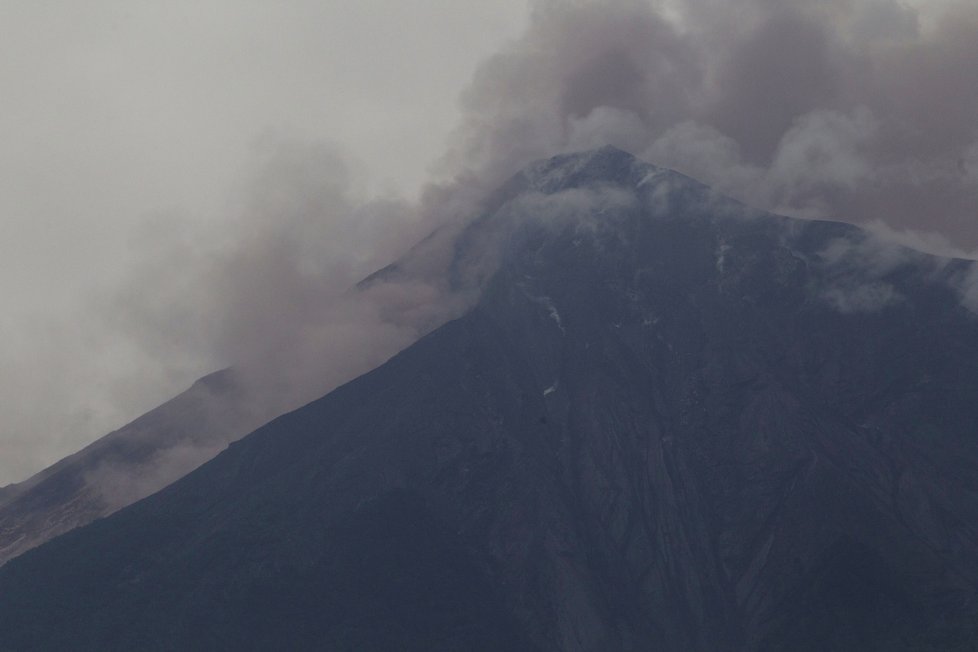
(127, 464)
(670, 423)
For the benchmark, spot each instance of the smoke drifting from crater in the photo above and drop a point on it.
(275, 294)
(859, 110)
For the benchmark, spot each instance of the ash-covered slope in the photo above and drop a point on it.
(669, 424)
(127, 464)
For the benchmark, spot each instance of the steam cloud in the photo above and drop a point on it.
(861, 110)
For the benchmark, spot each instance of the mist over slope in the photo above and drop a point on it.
(667, 422)
(128, 464)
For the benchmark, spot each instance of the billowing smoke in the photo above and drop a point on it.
(860, 110)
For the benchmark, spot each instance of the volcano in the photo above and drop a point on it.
(669, 422)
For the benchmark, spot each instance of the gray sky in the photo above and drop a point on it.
(187, 185)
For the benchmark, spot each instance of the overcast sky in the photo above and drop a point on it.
(188, 185)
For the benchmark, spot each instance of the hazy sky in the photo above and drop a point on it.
(116, 110)
(187, 185)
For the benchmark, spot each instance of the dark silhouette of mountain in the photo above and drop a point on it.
(669, 423)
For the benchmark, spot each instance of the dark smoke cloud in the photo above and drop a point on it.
(860, 110)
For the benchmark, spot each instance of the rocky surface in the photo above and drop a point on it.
(670, 423)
